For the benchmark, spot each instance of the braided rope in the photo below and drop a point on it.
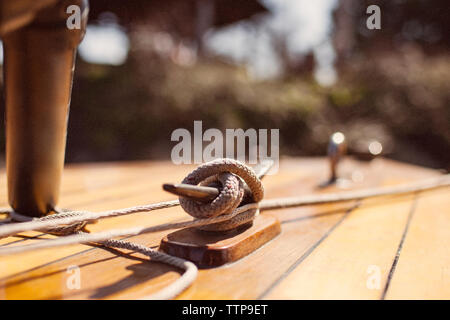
(60, 230)
(67, 218)
(106, 235)
(228, 173)
(173, 289)
(271, 204)
(71, 217)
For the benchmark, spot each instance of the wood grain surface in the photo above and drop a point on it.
(383, 248)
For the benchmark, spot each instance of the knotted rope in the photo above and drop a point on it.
(231, 175)
(67, 218)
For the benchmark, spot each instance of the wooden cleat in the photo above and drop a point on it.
(212, 249)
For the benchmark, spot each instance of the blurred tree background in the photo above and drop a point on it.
(391, 85)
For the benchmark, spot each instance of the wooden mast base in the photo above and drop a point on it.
(212, 249)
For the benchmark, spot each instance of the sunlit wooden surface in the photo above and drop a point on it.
(383, 248)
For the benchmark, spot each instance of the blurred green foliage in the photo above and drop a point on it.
(129, 112)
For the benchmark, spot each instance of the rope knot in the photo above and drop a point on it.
(59, 230)
(238, 185)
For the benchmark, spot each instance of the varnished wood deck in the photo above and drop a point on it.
(384, 248)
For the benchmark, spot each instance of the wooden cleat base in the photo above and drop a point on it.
(212, 249)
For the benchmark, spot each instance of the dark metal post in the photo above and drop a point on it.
(39, 64)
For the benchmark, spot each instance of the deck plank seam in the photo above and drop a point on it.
(308, 252)
(400, 246)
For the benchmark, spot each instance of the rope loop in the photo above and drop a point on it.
(236, 181)
(60, 230)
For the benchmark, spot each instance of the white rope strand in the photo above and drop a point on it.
(315, 199)
(176, 287)
(71, 217)
(106, 235)
(442, 181)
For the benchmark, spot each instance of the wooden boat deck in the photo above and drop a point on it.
(381, 248)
